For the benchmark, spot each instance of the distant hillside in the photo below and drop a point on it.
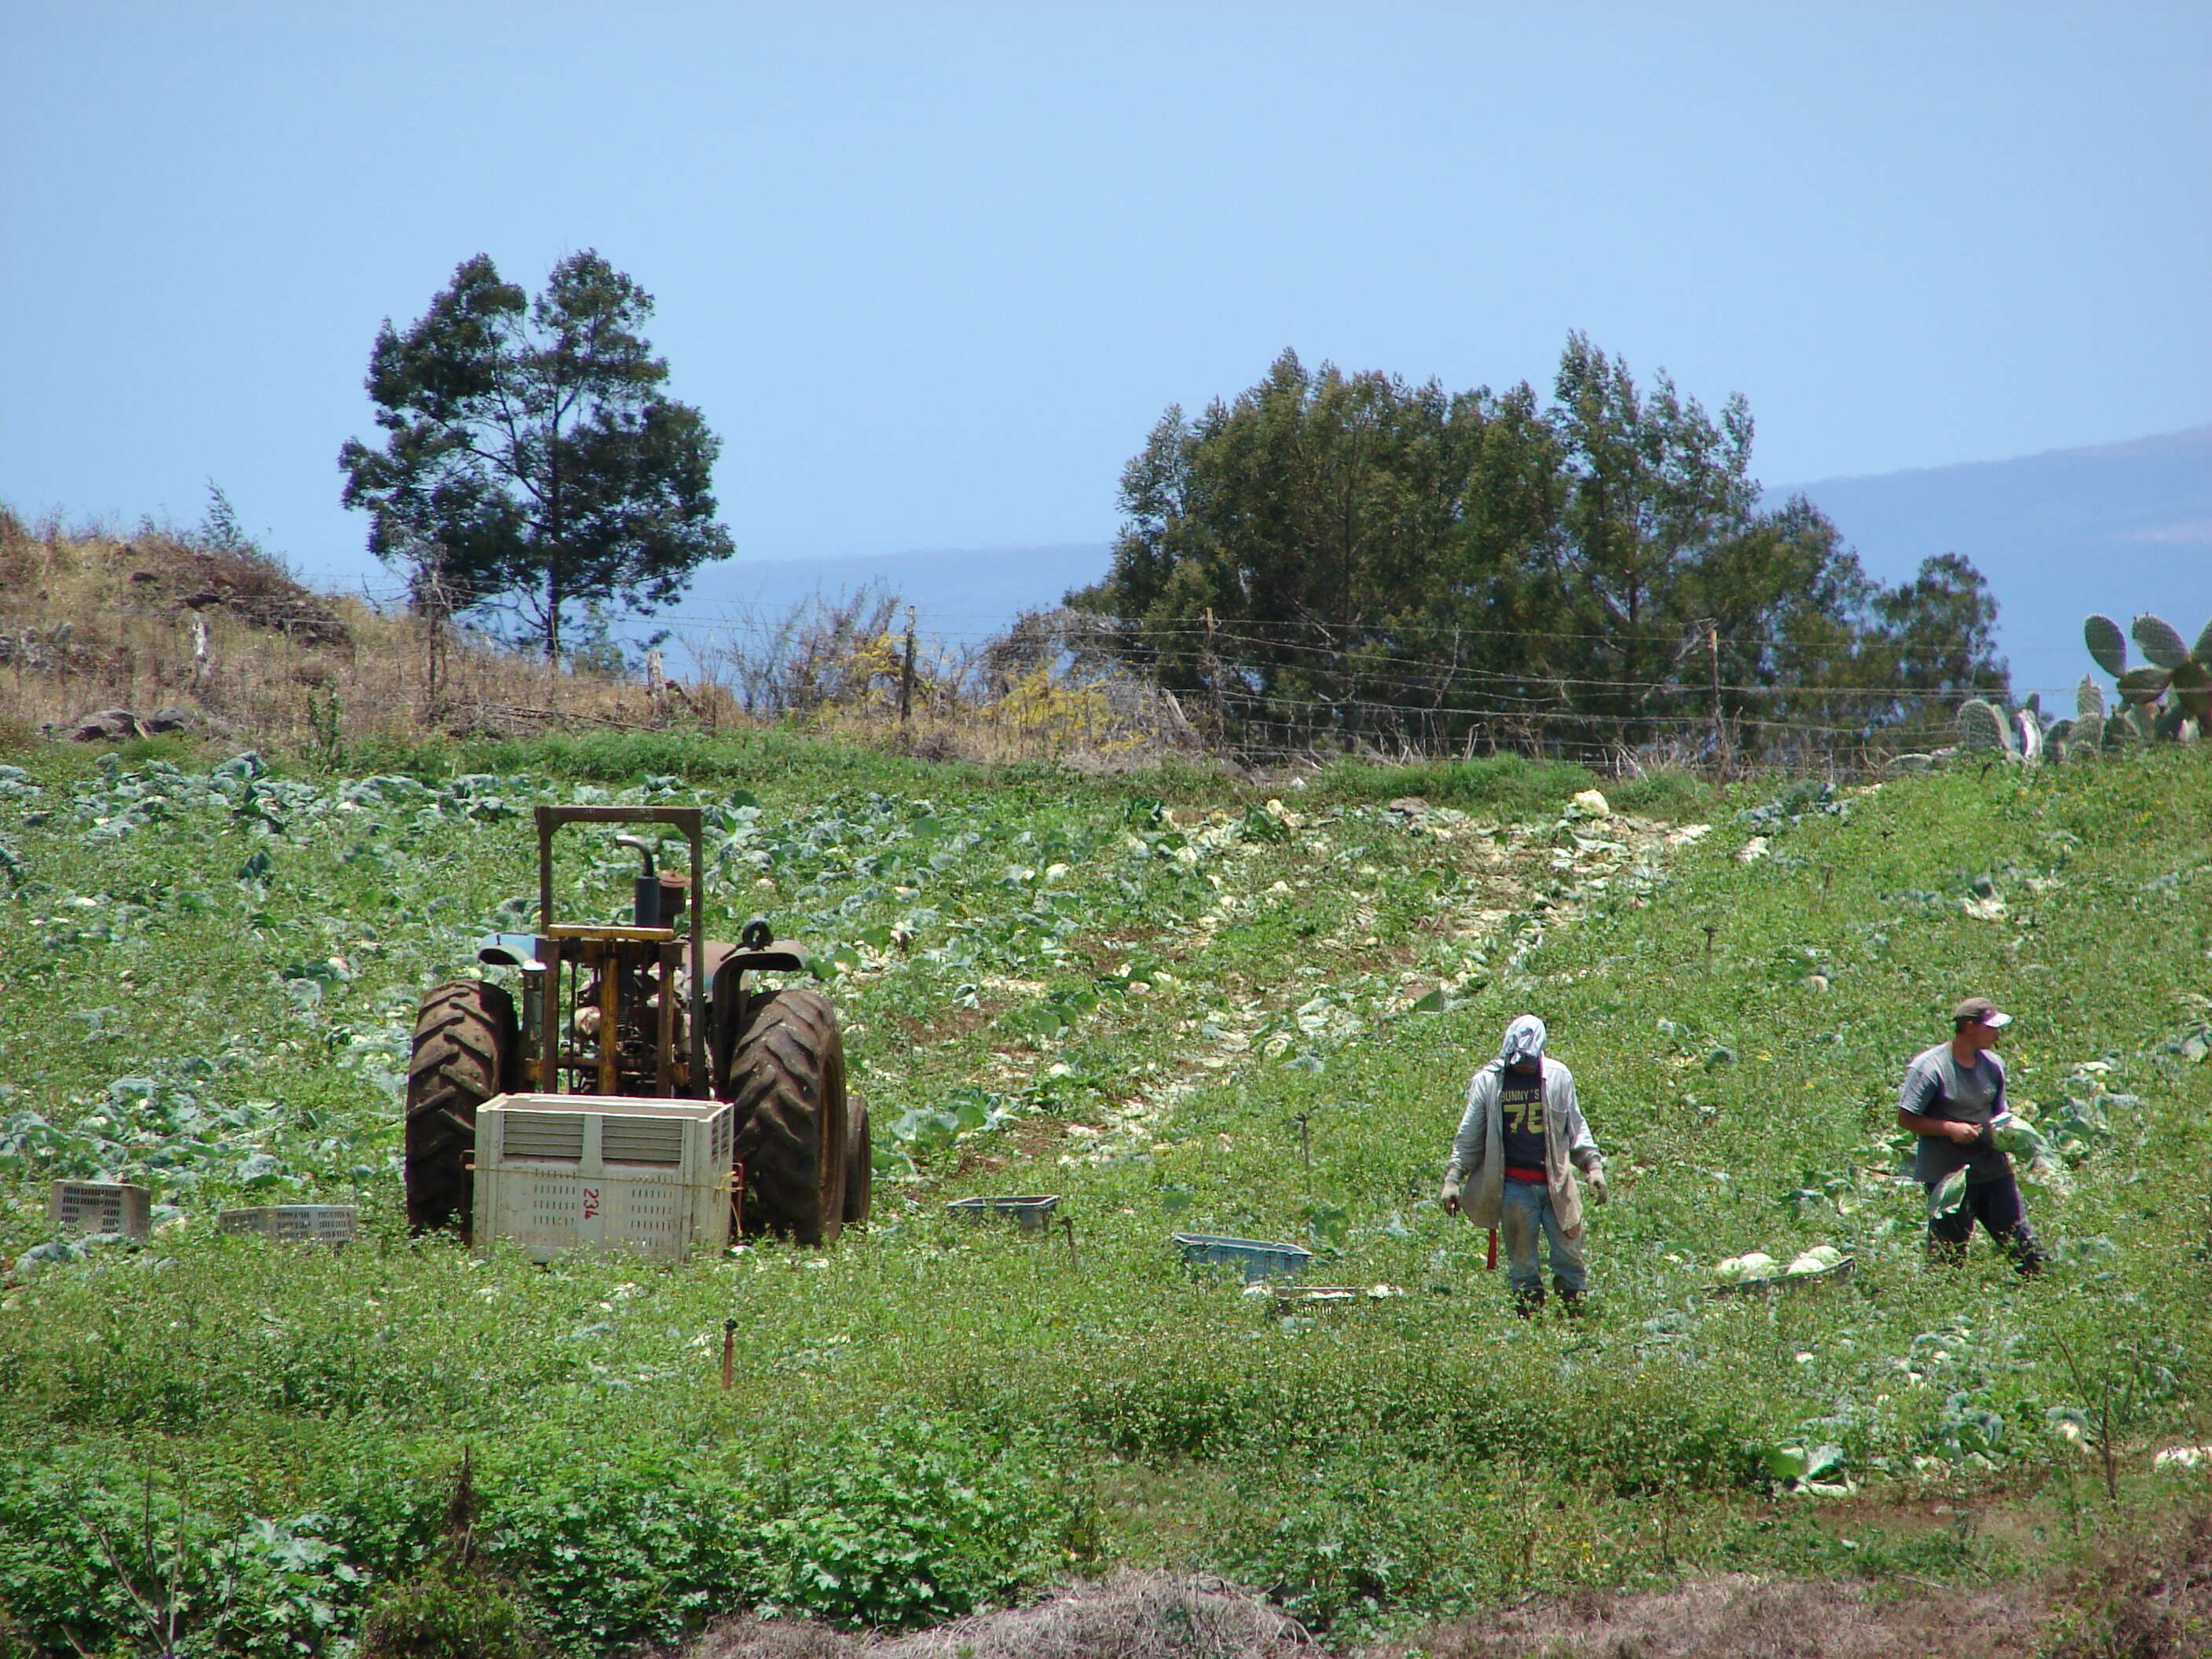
(2118, 528)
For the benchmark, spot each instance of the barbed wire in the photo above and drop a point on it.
(1700, 723)
(1226, 627)
(750, 617)
(1499, 693)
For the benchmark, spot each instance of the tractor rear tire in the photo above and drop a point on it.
(464, 1052)
(859, 1168)
(787, 1082)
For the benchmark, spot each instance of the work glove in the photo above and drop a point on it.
(1598, 1190)
(1449, 1197)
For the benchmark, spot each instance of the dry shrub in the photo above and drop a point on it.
(841, 652)
(167, 620)
(836, 668)
(1049, 688)
(89, 621)
(2148, 1596)
(1736, 1616)
(1130, 1615)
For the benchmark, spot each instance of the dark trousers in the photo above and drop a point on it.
(1996, 1204)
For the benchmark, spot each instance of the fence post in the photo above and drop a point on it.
(434, 601)
(1213, 681)
(1720, 727)
(906, 673)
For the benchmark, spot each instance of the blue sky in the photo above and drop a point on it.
(932, 271)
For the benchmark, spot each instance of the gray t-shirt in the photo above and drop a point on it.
(1937, 1085)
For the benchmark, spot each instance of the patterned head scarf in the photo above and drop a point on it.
(1524, 1039)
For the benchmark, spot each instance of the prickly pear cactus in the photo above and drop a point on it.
(2022, 735)
(2161, 640)
(2106, 644)
(2169, 698)
(1983, 728)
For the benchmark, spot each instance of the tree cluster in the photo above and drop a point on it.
(1350, 558)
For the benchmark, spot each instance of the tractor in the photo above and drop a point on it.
(648, 1008)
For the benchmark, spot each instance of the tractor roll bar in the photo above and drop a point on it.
(690, 821)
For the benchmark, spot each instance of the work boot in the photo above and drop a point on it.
(1529, 1302)
(1570, 1303)
(2026, 1260)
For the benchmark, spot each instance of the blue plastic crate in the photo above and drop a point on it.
(1254, 1259)
(1027, 1213)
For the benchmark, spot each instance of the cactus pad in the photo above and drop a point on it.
(2161, 640)
(2106, 644)
(2089, 700)
(2144, 685)
(2192, 690)
(1981, 728)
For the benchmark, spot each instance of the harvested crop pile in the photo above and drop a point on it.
(2147, 1599)
(1131, 1615)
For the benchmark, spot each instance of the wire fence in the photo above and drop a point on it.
(1249, 690)
(1058, 684)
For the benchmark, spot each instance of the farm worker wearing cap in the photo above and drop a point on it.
(1952, 1094)
(1512, 1164)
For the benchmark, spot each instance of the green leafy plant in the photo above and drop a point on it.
(326, 721)
(2114, 1391)
(445, 1612)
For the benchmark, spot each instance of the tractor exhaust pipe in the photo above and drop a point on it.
(645, 907)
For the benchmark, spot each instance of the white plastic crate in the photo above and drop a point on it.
(293, 1224)
(100, 1206)
(560, 1172)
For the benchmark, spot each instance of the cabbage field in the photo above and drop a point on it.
(1182, 1003)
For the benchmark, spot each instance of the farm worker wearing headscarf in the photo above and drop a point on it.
(1512, 1164)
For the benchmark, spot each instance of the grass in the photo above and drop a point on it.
(1155, 995)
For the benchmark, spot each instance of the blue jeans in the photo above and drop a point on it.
(1527, 1211)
